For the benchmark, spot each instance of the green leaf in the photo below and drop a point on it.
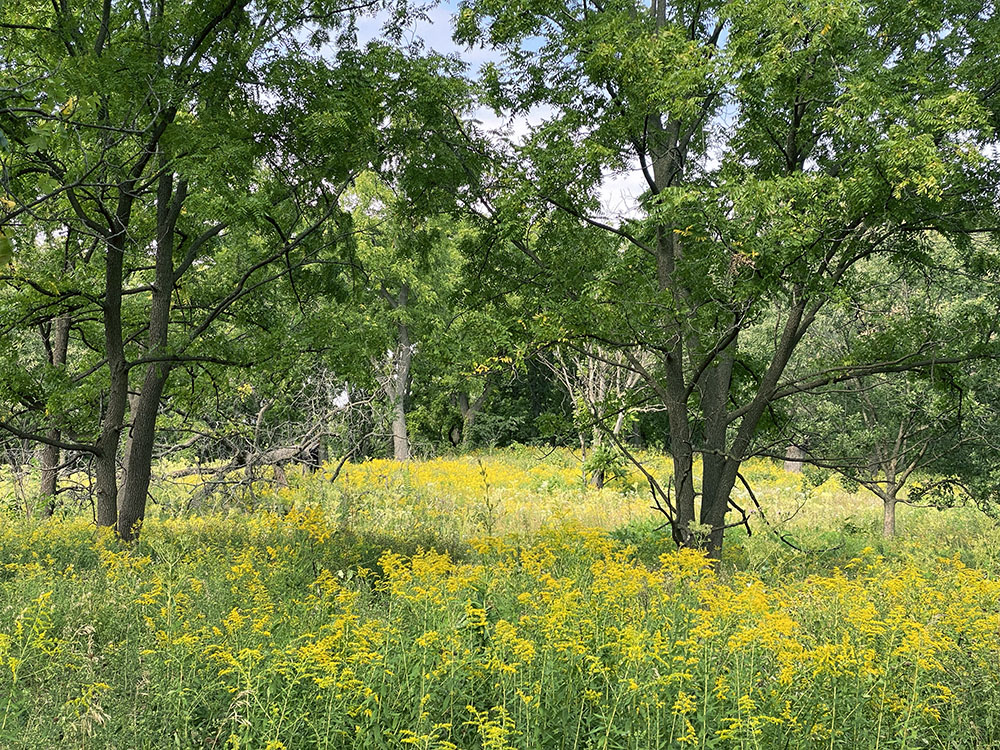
(47, 184)
(6, 249)
(36, 142)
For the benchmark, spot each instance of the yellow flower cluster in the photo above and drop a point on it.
(289, 629)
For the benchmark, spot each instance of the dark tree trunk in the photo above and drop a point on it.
(667, 163)
(681, 450)
(705, 366)
(142, 434)
(716, 482)
(106, 463)
(133, 406)
(132, 504)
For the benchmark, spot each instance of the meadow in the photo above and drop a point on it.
(498, 602)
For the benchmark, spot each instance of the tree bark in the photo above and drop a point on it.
(889, 516)
(133, 405)
(716, 488)
(889, 495)
(667, 162)
(793, 459)
(132, 504)
(470, 411)
(403, 360)
(132, 509)
(106, 463)
(50, 455)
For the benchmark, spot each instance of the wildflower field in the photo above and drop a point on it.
(498, 603)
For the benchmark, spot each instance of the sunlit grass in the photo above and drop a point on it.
(498, 602)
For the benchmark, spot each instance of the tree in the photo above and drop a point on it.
(409, 266)
(159, 141)
(406, 262)
(780, 145)
(883, 430)
(603, 391)
(469, 355)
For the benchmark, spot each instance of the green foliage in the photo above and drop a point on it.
(814, 476)
(783, 147)
(606, 461)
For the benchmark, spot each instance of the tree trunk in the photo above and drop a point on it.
(106, 464)
(716, 486)
(597, 476)
(50, 455)
(889, 497)
(48, 459)
(889, 516)
(401, 366)
(684, 495)
(470, 410)
(142, 436)
(146, 405)
(667, 163)
(681, 449)
(400, 440)
(793, 459)
(468, 419)
(728, 468)
(133, 406)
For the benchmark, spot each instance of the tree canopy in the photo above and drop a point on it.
(200, 199)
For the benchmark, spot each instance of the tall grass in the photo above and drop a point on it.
(377, 612)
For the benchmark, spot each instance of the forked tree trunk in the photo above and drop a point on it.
(727, 432)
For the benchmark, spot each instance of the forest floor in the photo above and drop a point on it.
(498, 602)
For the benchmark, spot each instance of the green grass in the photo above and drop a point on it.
(449, 604)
